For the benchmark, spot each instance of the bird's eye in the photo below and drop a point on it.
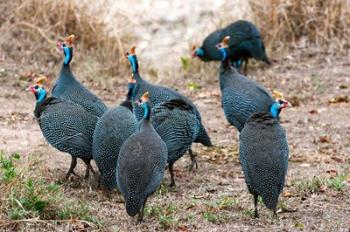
(36, 87)
(280, 101)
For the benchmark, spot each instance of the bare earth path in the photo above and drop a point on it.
(319, 140)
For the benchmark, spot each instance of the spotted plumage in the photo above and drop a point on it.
(141, 164)
(263, 153)
(68, 88)
(66, 125)
(240, 96)
(112, 130)
(245, 42)
(159, 94)
(177, 124)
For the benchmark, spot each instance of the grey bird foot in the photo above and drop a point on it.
(193, 160)
(73, 164)
(69, 173)
(256, 214)
(88, 168)
(172, 184)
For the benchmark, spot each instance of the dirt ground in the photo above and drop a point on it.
(318, 130)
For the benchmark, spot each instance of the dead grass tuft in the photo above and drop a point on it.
(30, 30)
(298, 23)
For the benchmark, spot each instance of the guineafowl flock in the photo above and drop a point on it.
(134, 142)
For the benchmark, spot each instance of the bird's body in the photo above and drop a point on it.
(241, 97)
(159, 94)
(68, 88)
(245, 42)
(112, 130)
(263, 153)
(178, 126)
(68, 127)
(140, 167)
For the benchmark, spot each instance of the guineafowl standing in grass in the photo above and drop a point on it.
(241, 97)
(159, 94)
(66, 125)
(177, 124)
(245, 43)
(112, 130)
(263, 154)
(68, 88)
(141, 164)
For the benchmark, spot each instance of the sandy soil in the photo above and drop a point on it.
(318, 134)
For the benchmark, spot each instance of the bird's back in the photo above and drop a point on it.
(112, 130)
(68, 88)
(177, 125)
(241, 97)
(140, 168)
(245, 40)
(264, 157)
(66, 126)
(162, 94)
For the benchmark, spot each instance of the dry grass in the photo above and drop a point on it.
(298, 23)
(30, 30)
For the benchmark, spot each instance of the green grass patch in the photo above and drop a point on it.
(216, 210)
(312, 186)
(319, 184)
(164, 214)
(337, 183)
(28, 194)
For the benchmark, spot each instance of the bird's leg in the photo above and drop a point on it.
(256, 214)
(140, 217)
(274, 213)
(89, 167)
(245, 66)
(172, 183)
(73, 164)
(193, 159)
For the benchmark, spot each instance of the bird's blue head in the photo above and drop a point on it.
(197, 52)
(132, 58)
(39, 92)
(277, 106)
(67, 49)
(223, 47)
(144, 103)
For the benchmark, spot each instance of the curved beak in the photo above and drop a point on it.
(60, 45)
(286, 104)
(30, 89)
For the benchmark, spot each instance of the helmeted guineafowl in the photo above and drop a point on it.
(159, 94)
(263, 154)
(240, 96)
(112, 130)
(141, 164)
(245, 43)
(68, 88)
(66, 125)
(177, 124)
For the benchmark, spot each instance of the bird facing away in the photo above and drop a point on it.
(112, 130)
(66, 125)
(240, 96)
(177, 124)
(263, 154)
(68, 88)
(141, 164)
(159, 94)
(245, 43)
